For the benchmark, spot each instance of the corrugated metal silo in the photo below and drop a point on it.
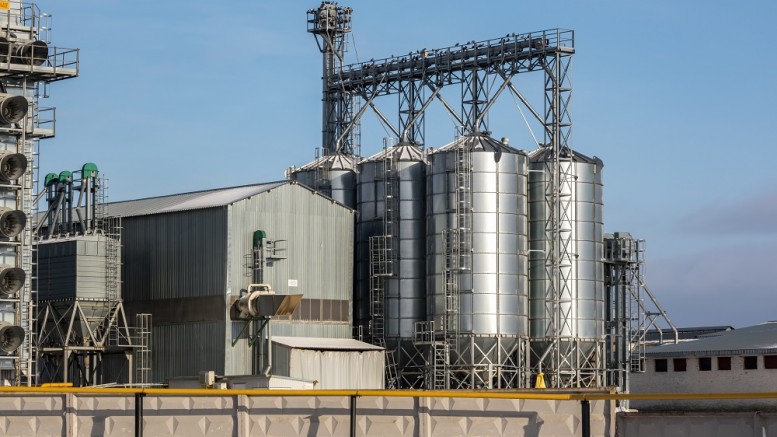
(333, 175)
(577, 324)
(390, 252)
(477, 266)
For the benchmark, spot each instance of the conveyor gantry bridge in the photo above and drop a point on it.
(466, 64)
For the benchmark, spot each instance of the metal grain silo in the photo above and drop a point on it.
(333, 175)
(390, 255)
(477, 267)
(567, 325)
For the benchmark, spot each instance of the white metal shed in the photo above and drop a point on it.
(336, 363)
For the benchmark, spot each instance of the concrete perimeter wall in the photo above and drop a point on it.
(697, 424)
(76, 414)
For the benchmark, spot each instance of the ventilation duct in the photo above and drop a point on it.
(11, 337)
(12, 108)
(12, 222)
(31, 53)
(11, 280)
(12, 165)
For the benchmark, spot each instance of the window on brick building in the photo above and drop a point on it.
(724, 363)
(751, 363)
(661, 365)
(679, 364)
(705, 364)
(770, 361)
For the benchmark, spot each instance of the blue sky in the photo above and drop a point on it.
(677, 98)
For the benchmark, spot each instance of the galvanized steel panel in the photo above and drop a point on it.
(499, 213)
(410, 264)
(583, 305)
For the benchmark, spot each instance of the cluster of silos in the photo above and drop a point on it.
(469, 246)
(567, 301)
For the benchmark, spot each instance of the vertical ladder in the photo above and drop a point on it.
(391, 195)
(382, 258)
(457, 249)
(440, 360)
(379, 254)
(142, 351)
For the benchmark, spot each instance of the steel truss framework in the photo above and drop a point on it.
(632, 309)
(76, 333)
(473, 65)
(476, 67)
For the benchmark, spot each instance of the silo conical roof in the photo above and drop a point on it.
(544, 153)
(337, 161)
(400, 152)
(479, 142)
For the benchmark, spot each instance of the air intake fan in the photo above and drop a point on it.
(11, 280)
(5, 49)
(12, 108)
(12, 165)
(11, 337)
(12, 222)
(30, 52)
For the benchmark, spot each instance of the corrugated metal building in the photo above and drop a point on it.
(330, 363)
(186, 255)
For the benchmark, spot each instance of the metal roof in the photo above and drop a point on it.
(337, 161)
(187, 201)
(753, 340)
(477, 142)
(325, 344)
(690, 333)
(399, 152)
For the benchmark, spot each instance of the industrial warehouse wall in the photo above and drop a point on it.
(175, 269)
(697, 424)
(318, 261)
(240, 415)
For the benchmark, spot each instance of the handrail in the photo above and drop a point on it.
(463, 394)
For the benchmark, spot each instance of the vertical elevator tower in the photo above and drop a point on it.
(28, 63)
(333, 172)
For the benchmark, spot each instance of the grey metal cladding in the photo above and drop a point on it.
(175, 255)
(186, 349)
(318, 241)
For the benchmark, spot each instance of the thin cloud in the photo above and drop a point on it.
(727, 284)
(755, 214)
